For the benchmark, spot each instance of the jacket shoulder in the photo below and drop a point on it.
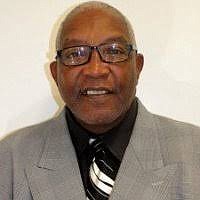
(174, 128)
(28, 133)
(180, 141)
(26, 143)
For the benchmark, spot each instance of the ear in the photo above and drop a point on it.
(139, 63)
(53, 68)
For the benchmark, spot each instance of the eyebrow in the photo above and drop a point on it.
(72, 41)
(116, 39)
(67, 42)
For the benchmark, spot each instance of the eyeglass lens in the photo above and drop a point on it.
(81, 54)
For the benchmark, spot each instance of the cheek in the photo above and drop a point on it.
(67, 84)
(125, 80)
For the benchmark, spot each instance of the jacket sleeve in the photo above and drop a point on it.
(6, 167)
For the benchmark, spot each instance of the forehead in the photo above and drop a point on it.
(94, 27)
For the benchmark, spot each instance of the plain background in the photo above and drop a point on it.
(167, 33)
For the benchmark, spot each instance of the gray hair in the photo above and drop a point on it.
(90, 6)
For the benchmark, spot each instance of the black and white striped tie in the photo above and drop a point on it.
(102, 172)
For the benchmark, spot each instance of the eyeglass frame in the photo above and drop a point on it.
(130, 47)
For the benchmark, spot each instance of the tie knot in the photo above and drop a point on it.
(92, 140)
(96, 145)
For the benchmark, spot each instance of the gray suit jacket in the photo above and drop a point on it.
(161, 162)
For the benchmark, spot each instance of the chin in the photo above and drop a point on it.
(92, 113)
(100, 117)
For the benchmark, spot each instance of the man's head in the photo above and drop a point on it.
(100, 90)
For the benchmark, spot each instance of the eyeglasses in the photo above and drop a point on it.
(109, 53)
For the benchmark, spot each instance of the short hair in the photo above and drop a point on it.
(90, 6)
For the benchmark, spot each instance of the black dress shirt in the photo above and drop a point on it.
(115, 139)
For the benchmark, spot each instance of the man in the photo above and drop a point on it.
(105, 144)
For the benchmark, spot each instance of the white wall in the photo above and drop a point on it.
(167, 33)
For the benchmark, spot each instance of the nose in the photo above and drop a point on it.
(96, 68)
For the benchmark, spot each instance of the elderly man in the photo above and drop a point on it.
(105, 144)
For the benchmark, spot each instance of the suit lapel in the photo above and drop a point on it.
(55, 174)
(142, 174)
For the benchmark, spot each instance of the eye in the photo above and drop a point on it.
(71, 54)
(74, 53)
(114, 51)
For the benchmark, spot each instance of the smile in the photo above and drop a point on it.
(96, 91)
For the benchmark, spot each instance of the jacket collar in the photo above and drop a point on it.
(142, 174)
(55, 174)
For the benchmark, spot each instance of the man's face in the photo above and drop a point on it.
(120, 79)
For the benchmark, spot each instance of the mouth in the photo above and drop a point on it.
(96, 91)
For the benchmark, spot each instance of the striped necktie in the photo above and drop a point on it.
(102, 171)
